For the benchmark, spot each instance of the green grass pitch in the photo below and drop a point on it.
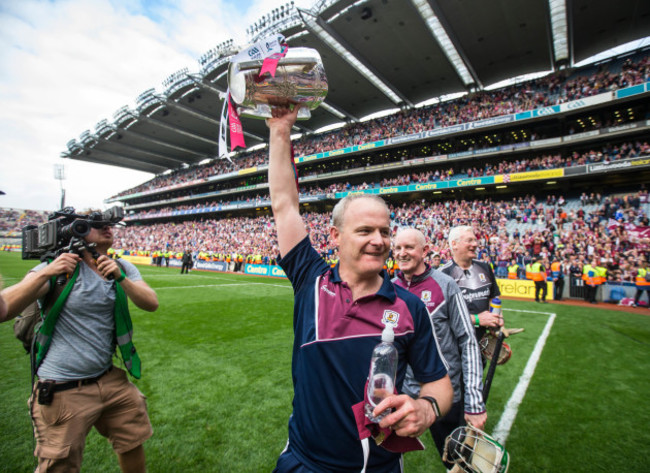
(217, 374)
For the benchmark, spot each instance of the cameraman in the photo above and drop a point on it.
(78, 385)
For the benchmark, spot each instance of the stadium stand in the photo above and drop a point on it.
(13, 220)
(575, 223)
(221, 208)
(555, 166)
(479, 106)
(506, 230)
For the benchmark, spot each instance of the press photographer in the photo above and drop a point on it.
(86, 321)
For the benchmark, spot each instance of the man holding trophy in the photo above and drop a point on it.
(339, 314)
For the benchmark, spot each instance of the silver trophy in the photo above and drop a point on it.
(299, 78)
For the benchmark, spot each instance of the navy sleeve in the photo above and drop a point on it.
(302, 264)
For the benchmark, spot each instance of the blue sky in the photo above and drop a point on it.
(67, 64)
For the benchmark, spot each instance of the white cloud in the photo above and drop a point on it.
(65, 65)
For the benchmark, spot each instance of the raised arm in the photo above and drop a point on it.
(282, 181)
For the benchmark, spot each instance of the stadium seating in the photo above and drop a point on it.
(217, 209)
(538, 93)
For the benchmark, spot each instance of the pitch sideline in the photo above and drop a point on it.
(224, 285)
(502, 429)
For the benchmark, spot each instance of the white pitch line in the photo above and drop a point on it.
(530, 311)
(217, 278)
(502, 429)
(224, 285)
(202, 285)
(178, 276)
(274, 285)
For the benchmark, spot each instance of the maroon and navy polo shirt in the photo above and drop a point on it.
(333, 340)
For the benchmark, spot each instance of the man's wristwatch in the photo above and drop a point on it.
(434, 404)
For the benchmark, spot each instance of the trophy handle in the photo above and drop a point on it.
(263, 111)
(307, 64)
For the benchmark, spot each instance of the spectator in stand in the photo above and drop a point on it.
(435, 261)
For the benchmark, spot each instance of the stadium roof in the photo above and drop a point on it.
(378, 55)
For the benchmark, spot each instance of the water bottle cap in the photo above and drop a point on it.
(387, 335)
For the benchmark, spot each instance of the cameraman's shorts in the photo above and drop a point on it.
(112, 404)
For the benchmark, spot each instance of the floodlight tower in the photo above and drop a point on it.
(59, 175)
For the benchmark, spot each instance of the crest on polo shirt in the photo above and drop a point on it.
(425, 296)
(481, 277)
(390, 317)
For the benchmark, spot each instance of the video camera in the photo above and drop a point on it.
(64, 232)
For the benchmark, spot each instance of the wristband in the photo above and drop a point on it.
(434, 405)
(122, 277)
(477, 322)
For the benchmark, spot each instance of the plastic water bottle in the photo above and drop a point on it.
(383, 369)
(495, 306)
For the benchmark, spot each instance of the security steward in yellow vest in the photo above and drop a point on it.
(529, 271)
(642, 283)
(592, 274)
(558, 279)
(513, 269)
(538, 275)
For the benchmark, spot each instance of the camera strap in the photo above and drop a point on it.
(43, 336)
(52, 295)
(124, 333)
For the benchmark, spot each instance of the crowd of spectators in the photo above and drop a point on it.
(613, 228)
(599, 228)
(13, 220)
(604, 154)
(604, 227)
(246, 236)
(553, 89)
